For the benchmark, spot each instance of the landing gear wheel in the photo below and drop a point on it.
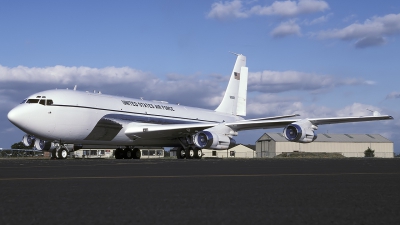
(119, 153)
(180, 153)
(189, 153)
(62, 153)
(136, 153)
(127, 153)
(53, 154)
(198, 153)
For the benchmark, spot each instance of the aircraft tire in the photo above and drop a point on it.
(180, 153)
(189, 153)
(62, 153)
(127, 153)
(119, 153)
(53, 154)
(136, 153)
(198, 153)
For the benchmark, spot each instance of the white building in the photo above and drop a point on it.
(98, 152)
(349, 145)
(239, 151)
(93, 153)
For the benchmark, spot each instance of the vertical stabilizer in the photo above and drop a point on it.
(234, 101)
(242, 94)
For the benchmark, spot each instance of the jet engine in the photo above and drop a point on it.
(210, 140)
(301, 131)
(43, 145)
(28, 140)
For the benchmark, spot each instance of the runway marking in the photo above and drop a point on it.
(188, 176)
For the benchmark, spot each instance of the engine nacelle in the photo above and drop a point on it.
(44, 145)
(301, 131)
(28, 140)
(210, 140)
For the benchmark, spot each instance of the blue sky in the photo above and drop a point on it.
(317, 58)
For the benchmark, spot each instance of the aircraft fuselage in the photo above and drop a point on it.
(93, 118)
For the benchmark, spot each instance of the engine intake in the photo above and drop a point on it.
(43, 145)
(28, 140)
(301, 131)
(210, 140)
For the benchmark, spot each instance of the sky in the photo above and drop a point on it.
(312, 57)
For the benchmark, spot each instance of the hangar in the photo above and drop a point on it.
(349, 145)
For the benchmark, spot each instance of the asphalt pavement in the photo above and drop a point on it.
(207, 191)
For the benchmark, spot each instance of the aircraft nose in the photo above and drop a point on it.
(15, 116)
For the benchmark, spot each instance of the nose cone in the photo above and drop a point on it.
(15, 116)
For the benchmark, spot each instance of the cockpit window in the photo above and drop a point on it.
(32, 101)
(40, 101)
(23, 101)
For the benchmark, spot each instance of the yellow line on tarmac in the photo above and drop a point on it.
(187, 176)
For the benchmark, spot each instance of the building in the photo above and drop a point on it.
(239, 151)
(107, 152)
(349, 145)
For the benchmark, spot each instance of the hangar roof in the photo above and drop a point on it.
(350, 138)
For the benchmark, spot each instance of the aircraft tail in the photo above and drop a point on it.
(234, 101)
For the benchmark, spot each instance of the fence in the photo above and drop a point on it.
(6, 153)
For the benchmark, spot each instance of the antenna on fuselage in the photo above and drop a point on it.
(75, 87)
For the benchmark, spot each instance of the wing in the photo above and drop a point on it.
(169, 131)
(152, 131)
(268, 124)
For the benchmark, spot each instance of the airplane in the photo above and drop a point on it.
(55, 119)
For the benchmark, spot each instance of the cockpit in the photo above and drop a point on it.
(39, 99)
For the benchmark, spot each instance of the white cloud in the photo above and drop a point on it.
(277, 81)
(235, 9)
(370, 33)
(370, 41)
(348, 18)
(227, 10)
(321, 19)
(272, 105)
(285, 29)
(71, 75)
(357, 109)
(8, 130)
(291, 8)
(393, 95)
(204, 91)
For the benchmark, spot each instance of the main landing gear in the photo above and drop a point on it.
(127, 153)
(59, 152)
(189, 153)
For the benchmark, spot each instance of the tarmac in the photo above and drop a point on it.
(207, 191)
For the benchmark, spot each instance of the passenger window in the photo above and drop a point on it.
(42, 102)
(49, 102)
(32, 101)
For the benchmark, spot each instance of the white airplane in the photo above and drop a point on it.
(55, 118)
